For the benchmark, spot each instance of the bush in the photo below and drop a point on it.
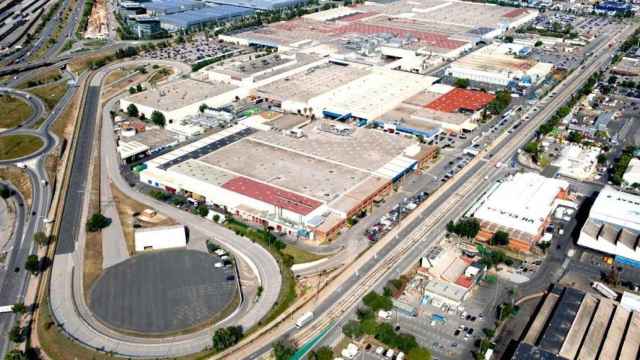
(461, 83)
(19, 308)
(16, 334)
(323, 353)
(15, 355)
(352, 329)
(500, 238)
(158, 118)
(132, 110)
(5, 192)
(201, 210)
(32, 264)
(97, 222)
(283, 350)
(468, 227)
(159, 195)
(226, 337)
(419, 353)
(41, 238)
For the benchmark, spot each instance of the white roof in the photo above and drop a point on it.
(630, 301)
(444, 289)
(165, 237)
(131, 148)
(522, 202)
(395, 167)
(577, 162)
(632, 175)
(618, 208)
(373, 95)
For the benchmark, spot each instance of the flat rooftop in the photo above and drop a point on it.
(461, 100)
(321, 180)
(250, 64)
(153, 138)
(365, 149)
(287, 121)
(180, 93)
(311, 83)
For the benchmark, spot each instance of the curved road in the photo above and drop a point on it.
(66, 293)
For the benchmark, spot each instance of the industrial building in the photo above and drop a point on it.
(613, 226)
(201, 17)
(166, 7)
(263, 5)
(133, 145)
(500, 64)
(181, 98)
(255, 173)
(577, 161)
(254, 71)
(520, 205)
(417, 34)
(627, 66)
(572, 324)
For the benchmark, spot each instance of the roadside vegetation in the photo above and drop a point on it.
(50, 94)
(14, 111)
(45, 77)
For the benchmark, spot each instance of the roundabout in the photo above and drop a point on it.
(164, 292)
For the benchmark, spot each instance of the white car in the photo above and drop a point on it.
(218, 265)
(379, 350)
(389, 354)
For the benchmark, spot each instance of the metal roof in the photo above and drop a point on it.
(205, 15)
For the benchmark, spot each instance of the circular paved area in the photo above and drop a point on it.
(162, 292)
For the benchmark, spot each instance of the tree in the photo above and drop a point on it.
(377, 302)
(461, 83)
(97, 222)
(132, 90)
(538, 43)
(41, 238)
(574, 137)
(602, 159)
(419, 353)
(352, 329)
(468, 227)
(132, 110)
(500, 238)
(323, 353)
(227, 337)
(139, 88)
(508, 39)
(15, 355)
(158, 118)
(201, 210)
(283, 350)
(19, 308)
(532, 148)
(32, 264)
(5, 192)
(216, 218)
(16, 334)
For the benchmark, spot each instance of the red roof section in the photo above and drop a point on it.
(432, 39)
(272, 195)
(358, 16)
(461, 99)
(515, 12)
(464, 281)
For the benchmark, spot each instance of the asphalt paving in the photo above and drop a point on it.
(162, 291)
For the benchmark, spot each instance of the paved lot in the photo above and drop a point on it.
(163, 291)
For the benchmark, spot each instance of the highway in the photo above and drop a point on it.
(392, 255)
(66, 293)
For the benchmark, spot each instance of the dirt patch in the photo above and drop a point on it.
(19, 179)
(93, 246)
(17, 146)
(120, 86)
(128, 209)
(114, 76)
(64, 126)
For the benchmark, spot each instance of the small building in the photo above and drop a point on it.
(631, 177)
(145, 26)
(577, 161)
(158, 238)
(445, 292)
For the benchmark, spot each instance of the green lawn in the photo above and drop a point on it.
(15, 146)
(50, 94)
(300, 256)
(14, 111)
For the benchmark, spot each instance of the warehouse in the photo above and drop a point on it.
(144, 143)
(166, 7)
(613, 226)
(499, 64)
(631, 177)
(190, 19)
(256, 174)
(521, 205)
(181, 98)
(572, 324)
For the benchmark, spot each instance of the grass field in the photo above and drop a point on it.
(45, 77)
(15, 146)
(14, 111)
(50, 94)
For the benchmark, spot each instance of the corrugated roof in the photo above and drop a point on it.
(461, 99)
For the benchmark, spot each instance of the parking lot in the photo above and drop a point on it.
(190, 52)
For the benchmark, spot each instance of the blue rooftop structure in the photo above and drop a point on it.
(209, 14)
(613, 7)
(166, 7)
(262, 4)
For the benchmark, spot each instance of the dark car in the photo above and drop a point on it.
(457, 332)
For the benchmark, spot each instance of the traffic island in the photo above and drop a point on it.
(13, 147)
(14, 111)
